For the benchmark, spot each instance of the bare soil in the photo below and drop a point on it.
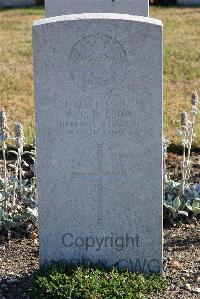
(19, 259)
(174, 161)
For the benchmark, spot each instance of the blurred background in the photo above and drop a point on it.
(181, 61)
(10, 3)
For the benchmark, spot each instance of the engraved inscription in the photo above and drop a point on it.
(88, 118)
(99, 173)
(97, 61)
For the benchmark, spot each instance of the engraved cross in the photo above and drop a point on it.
(100, 174)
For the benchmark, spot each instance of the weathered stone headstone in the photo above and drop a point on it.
(65, 7)
(98, 96)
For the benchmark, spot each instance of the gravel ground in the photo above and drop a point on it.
(182, 262)
(174, 161)
(19, 259)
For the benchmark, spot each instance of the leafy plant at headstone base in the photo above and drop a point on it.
(62, 280)
(182, 199)
(18, 196)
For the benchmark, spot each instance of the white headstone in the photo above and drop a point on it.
(65, 7)
(98, 96)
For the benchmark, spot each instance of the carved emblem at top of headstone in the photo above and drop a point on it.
(97, 60)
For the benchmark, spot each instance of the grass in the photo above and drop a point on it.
(82, 282)
(16, 73)
(181, 64)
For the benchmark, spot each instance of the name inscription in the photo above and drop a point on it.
(95, 119)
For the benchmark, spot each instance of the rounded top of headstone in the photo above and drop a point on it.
(97, 16)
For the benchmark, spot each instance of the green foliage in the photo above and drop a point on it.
(21, 205)
(18, 196)
(181, 205)
(64, 281)
(182, 199)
